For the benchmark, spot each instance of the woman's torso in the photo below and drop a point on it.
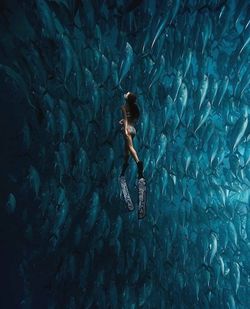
(130, 118)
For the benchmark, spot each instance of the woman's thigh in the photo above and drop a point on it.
(129, 139)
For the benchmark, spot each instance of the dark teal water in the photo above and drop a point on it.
(67, 240)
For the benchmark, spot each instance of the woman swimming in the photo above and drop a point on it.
(131, 114)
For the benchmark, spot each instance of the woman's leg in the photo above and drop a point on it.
(131, 148)
(126, 151)
(126, 157)
(134, 155)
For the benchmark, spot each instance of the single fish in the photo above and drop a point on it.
(223, 89)
(177, 84)
(187, 62)
(204, 116)
(236, 274)
(238, 131)
(213, 147)
(186, 156)
(214, 247)
(158, 71)
(244, 45)
(104, 69)
(161, 147)
(114, 72)
(232, 233)
(63, 124)
(222, 265)
(182, 100)
(127, 61)
(206, 33)
(160, 29)
(47, 19)
(168, 109)
(62, 211)
(64, 155)
(213, 91)
(67, 55)
(203, 90)
(175, 10)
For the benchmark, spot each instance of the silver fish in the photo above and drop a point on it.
(223, 89)
(203, 90)
(214, 247)
(238, 131)
(127, 61)
(203, 116)
(182, 100)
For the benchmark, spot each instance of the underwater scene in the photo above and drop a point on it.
(125, 161)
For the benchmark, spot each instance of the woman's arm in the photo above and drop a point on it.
(125, 119)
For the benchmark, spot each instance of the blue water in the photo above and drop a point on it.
(68, 240)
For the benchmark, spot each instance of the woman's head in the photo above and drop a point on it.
(130, 97)
(131, 100)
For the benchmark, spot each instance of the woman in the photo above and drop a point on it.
(131, 114)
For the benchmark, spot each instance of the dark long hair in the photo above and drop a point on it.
(133, 107)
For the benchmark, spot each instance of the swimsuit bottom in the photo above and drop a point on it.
(131, 130)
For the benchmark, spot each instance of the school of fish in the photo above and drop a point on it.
(188, 63)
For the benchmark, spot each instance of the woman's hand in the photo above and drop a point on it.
(124, 127)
